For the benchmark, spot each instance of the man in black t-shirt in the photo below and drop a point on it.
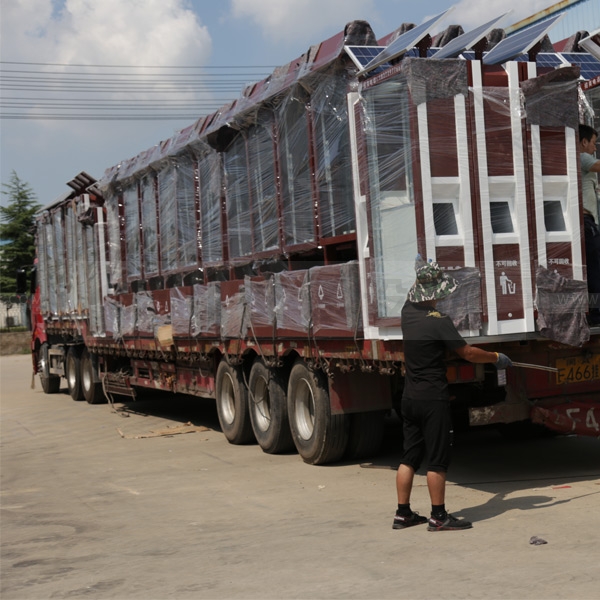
(427, 424)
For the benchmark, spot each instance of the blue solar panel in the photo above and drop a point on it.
(363, 55)
(467, 40)
(520, 42)
(404, 42)
(590, 66)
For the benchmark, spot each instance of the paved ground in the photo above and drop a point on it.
(95, 505)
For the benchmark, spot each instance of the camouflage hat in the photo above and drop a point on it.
(432, 283)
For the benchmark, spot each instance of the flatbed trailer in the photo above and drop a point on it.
(262, 255)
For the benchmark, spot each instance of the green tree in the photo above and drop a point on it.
(16, 231)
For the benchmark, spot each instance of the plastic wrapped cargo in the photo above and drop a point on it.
(128, 314)
(209, 167)
(112, 313)
(260, 303)
(234, 316)
(264, 217)
(562, 304)
(296, 192)
(329, 107)
(464, 305)
(292, 303)
(111, 203)
(206, 317)
(182, 304)
(145, 313)
(149, 225)
(237, 199)
(335, 300)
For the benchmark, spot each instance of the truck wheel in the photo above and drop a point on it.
(366, 434)
(91, 389)
(73, 374)
(50, 382)
(268, 409)
(319, 436)
(232, 404)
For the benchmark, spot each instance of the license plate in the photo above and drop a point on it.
(578, 369)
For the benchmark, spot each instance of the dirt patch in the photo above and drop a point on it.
(15, 342)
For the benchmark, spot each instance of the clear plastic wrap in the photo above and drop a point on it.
(61, 275)
(210, 207)
(329, 106)
(464, 305)
(182, 304)
(260, 304)
(430, 79)
(167, 211)
(128, 314)
(51, 259)
(335, 300)
(561, 304)
(206, 317)
(237, 199)
(234, 316)
(96, 311)
(149, 226)
(111, 203)
(391, 193)
(71, 257)
(132, 230)
(43, 257)
(187, 239)
(112, 310)
(296, 193)
(261, 159)
(81, 265)
(145, 313)
(292, 303)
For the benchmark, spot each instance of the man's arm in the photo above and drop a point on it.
(476, 355)
(595, 167)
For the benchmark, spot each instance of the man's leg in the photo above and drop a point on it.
(404, 482)
(405, 517)
(436, 484)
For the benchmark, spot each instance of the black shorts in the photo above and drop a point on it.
(427, 427)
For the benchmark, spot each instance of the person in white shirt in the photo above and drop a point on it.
(590, 167)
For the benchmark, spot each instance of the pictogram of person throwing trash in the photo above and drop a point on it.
(508, 287)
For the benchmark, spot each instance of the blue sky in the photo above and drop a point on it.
(48, 153)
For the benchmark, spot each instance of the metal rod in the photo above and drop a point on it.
(539, 367)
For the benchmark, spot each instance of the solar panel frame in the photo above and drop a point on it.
(590, 65)
(520, 42)
(362, 55)
(460, 44)
(404, 42)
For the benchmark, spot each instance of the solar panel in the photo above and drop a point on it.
(363, 55)
(590, 65)
(520, 42)
(404, 42)
(467, 40)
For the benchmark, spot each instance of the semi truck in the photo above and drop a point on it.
(261, 256)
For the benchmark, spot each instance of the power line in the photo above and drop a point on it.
(40, 64)
(37, 94)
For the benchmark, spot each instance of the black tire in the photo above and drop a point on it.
(50, 382)
(73, 374)
(268, 409)
(366, 434)
(319, 436)
(232, 404)
(91, 389)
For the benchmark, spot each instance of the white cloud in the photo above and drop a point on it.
(297, 20)
(155, 32)
(471, 13)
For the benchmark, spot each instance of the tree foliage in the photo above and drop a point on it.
(16, 231)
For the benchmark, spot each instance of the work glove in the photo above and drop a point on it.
(503, 361)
